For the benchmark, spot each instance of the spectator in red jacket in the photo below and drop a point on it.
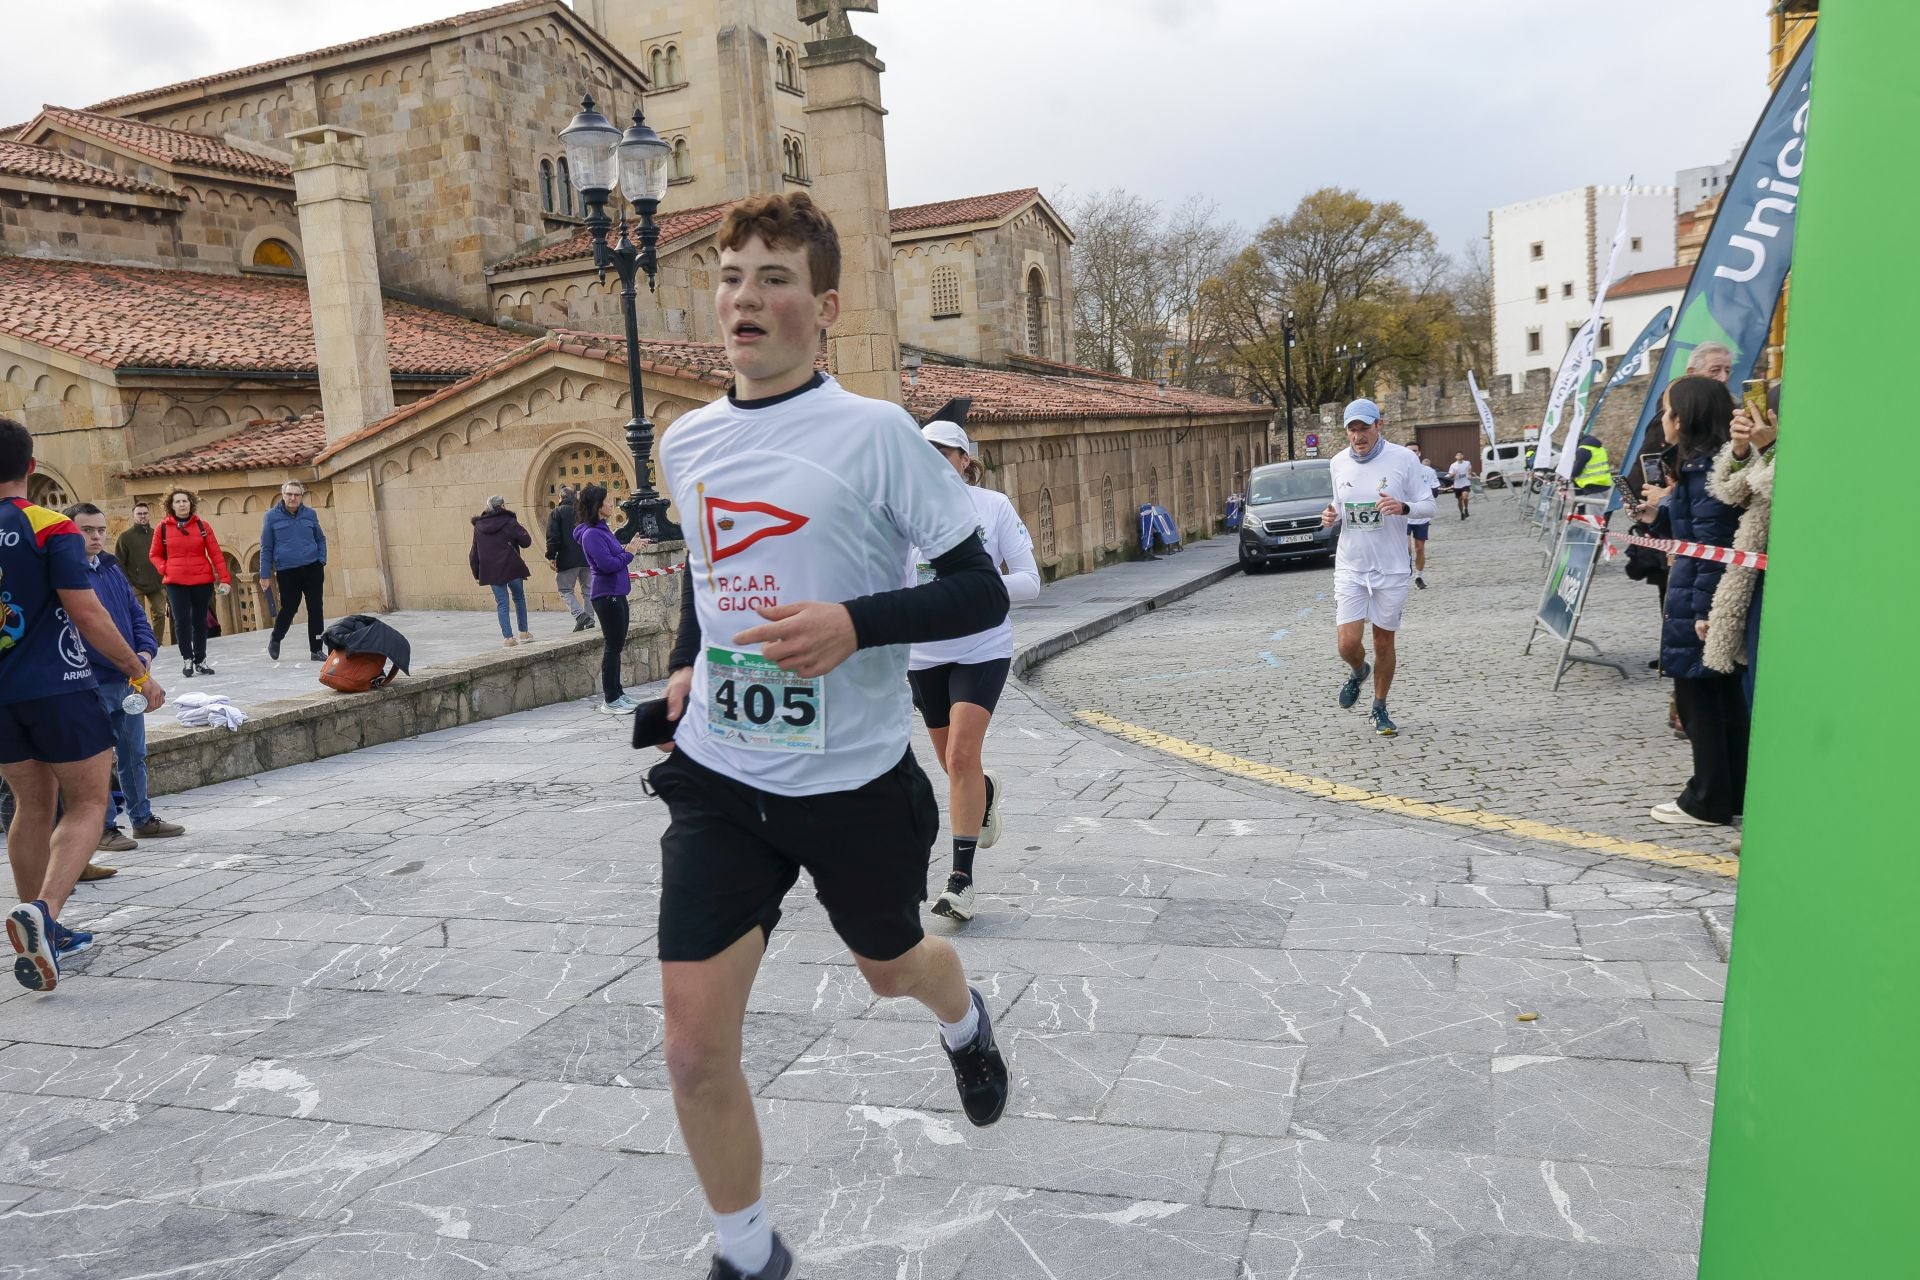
(191, 565)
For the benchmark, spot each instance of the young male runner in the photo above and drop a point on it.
(1461, 476)
(789, 688)
(1378, 489)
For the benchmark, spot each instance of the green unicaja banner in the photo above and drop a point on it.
(1815, 1163)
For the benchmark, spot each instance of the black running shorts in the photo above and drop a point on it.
(936, 689)
(732, 851)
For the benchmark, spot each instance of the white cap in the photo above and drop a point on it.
(950, 434)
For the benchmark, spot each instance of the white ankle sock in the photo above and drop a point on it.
(958, 1035)
(746, 1237)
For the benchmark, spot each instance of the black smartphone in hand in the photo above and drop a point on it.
(651, 728)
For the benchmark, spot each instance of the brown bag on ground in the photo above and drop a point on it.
(355, 672)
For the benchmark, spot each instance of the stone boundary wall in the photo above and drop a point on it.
(329, 723)
(1513, 411)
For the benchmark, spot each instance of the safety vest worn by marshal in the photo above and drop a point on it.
(1598, 473)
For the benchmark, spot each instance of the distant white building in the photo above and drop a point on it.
(1547, 255)
(1697, 185)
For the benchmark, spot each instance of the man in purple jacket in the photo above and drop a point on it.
(129, 731)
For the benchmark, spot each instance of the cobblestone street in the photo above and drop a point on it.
(1249, 667)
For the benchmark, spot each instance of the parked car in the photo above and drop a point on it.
(1504, 464)
(1282, 520)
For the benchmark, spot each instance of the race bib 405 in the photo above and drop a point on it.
(752, 703)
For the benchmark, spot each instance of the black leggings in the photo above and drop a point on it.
(189, 606)
(300, 585)
(612, 612)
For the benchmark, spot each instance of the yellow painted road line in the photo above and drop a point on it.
(1518, 828)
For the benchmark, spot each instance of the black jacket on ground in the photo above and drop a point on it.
(362, 633)
(561, 548)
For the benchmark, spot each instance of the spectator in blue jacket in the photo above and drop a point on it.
(123, 604)
(1698, 414)
(293, 553)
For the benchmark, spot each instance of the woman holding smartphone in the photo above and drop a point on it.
(1697, 416)
(607, 592)
(957, 683)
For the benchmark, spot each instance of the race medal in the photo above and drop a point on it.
(923, 573)
(753, 704)
(1364, 515)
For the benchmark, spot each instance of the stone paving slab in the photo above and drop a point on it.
(399, 1011)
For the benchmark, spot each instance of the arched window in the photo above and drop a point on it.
(675, 73)
(682, 159)
(799, 159)
(1109, 524)
(1047, 552)
(1219, 494)
(786, 157)
(566, 189)
(274, 253)
(657, 68)
(1036, 315)
(782, 68)
(1188, 506)
(44, 491)
(946, 292)
(1153, 485)
(1239, 473)
(546, 186)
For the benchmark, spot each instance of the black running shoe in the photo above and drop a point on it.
(1350, 691)
(779, 1267)
(980, 1071)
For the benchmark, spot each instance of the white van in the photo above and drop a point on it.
(1502, 464)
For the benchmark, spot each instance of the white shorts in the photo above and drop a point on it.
(1379, 602)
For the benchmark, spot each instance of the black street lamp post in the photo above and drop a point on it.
(1286, 376)
(597, 155)
(1350, 354)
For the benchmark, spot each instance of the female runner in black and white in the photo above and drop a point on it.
(956, 683)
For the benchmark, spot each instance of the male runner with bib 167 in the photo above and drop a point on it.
(789, 688)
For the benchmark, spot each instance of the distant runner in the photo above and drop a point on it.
(1461, 474)
(1419, 529)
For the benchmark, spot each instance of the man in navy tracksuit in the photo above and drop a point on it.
(123, 605)
(293, 554)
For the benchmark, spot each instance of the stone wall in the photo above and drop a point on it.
(123, 235)
(679, 308)
(914, 266)
(455, 135)
(1085, 480)
(1513, 411)
(1007, 256)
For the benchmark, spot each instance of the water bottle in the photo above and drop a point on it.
(135, 703)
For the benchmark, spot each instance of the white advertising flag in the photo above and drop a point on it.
(1480, 403)
(1589, 335)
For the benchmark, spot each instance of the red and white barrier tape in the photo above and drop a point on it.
(659, 573)
(1693, 550)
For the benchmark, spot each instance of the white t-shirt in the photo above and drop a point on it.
(1429, 478)
(817, 496)
(1373, 547)
(1462, 473)
(1008, 542)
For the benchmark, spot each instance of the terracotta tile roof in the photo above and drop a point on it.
(1658, 280)
(694, 361)
(946, 213)
(314, 55)
(171, 146)
(674, 225)
(265, 444)
(1004, 396)
(23, 161)
(136, 317)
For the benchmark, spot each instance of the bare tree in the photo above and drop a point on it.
(1355, 273)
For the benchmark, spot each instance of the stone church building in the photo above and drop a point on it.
(189, 278)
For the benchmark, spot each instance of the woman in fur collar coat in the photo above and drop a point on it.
(1742, 477)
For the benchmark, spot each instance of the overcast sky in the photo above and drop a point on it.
(1449, 108)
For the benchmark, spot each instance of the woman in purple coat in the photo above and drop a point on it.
(606, 591)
